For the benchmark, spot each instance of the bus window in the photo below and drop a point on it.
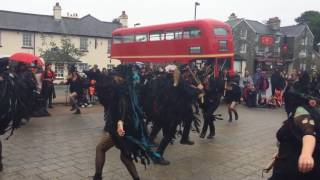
(178, 34)
(128, 38)
(220, 31)
(156, 36)
(141, 37)
(223, 45)
(169, 35)
(191, 33)
(117, 39)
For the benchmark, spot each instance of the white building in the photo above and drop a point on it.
(24, 32)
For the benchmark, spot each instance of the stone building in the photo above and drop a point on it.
(269, 46)
(256, 44)
(298, 47)
(25, 32)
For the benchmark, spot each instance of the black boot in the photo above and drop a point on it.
(236, 117)
(77, 112)
(186, 142)
(1, 165)
(73, 108)
(202, 135)
(97, 177)
(230, 116)
(212, 132)
(161, 161)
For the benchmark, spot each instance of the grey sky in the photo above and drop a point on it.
(149, 12)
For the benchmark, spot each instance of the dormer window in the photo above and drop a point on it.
(243, 33)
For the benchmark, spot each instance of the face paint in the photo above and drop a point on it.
(305, 121)
(312, 122)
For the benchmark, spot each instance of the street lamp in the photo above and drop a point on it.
(195, 9)
(136, 24)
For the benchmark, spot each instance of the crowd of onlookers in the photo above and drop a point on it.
(261, 89)
(266, 90)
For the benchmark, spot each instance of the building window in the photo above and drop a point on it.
(223, 45)
(277, 40)
(257, 49)
(84, 44)
(110, 66)
(303, 53)
(27, 39)
(303, 66)
(83, 67)
(95, 43)
(243, 48)
(59, 70)
(141, 37)
(304, 41)
(243, 34)
(257, 38)
(277, 49)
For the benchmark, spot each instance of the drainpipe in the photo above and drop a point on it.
(34, 43)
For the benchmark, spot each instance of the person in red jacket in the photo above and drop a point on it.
(47, 84)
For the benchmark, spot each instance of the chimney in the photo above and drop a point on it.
(233, 17)
(123, 19)
(57, 12)
(274, 23)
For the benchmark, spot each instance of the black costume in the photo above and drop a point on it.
(174, 106)
(17, 88)
(233, 94)
(232, 97)
(121, 102)
(76, 86)
(302, 120)
(213, 93)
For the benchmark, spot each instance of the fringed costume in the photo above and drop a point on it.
(17, 88)
(118, 94)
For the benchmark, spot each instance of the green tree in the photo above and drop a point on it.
(312, 18)
(66, 54)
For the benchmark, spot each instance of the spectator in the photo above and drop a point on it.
(104, 71)
(48, 77)
(256, 77)
(277, 81)
(246, 80)
(93, 73)
(262, 86)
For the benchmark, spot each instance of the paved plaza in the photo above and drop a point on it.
(63, 147)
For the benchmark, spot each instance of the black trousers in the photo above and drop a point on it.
(208, 109)
(168, 134)
(48, 92)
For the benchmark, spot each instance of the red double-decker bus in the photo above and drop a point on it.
(184, 42)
